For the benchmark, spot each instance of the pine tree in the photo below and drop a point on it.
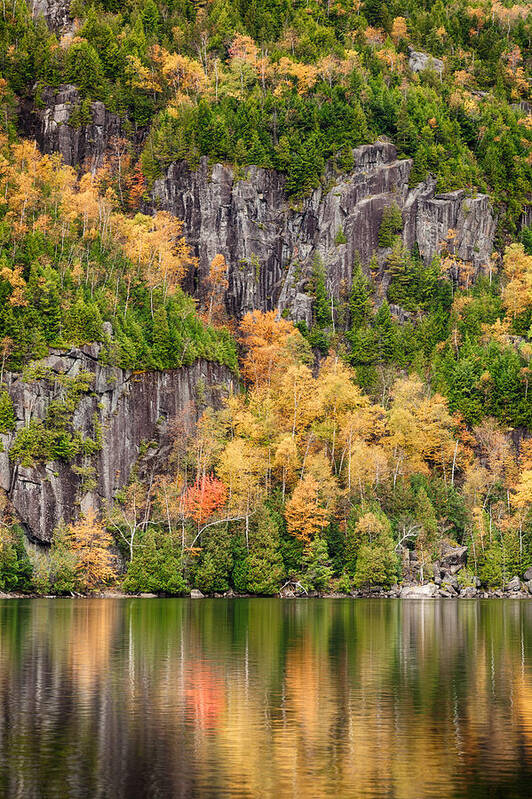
(360, 306)
(426, 540)
(264, 562)
(156, 566)
(391, 224)
(385, 332)
(317, 569)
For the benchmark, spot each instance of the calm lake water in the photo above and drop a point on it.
(112, 699)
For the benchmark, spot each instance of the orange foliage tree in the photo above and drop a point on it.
(264, 337)
(203, 499)
(305, 517)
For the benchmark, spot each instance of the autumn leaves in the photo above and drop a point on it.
(315, 437)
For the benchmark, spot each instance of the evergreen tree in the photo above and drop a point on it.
(376, 564)
(360, 306)
(318, 572)
(264, 563)
(386, 334)
(156, 566)
(391, 224)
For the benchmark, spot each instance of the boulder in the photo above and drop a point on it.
(419, 62)
(528, 585)
(447, 594)
(453, 558)
(448, 579)
(513, 585)
(427, 591)
(468, 593)
(196, 594)
(527, 575)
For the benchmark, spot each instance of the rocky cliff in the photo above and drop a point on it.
(79, 144)
(56, 13)
(127, 413)
(270, 244)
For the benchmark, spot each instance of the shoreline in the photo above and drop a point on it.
(407, 595)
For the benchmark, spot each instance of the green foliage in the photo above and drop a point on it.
(466, 138)
(370, 556)
(54, 438)
(7, 412)
(360, 306)
(157, 565)
(489, 569)
(318, 572)
(376, 564)
(425, 516)
(60, 574)
(212, 574)
(391, 224)
(15, 566)
(264, 562)
(150, 330)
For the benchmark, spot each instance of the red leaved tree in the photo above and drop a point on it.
(203, 499)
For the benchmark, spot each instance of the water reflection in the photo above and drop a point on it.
(265, 698)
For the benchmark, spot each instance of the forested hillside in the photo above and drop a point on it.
(387, 422)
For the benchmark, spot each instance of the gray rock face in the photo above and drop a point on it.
(131, 409)
(469, 218)
(419, 62)
(513, 585)
(453, 559)
(83, 145)
(56, 13)
(469, 593)
(427, 591)
(449, 580)
(527, 576)
(270, 244)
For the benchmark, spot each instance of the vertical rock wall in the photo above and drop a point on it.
(270, 244)
(130, 409)
(83, 145)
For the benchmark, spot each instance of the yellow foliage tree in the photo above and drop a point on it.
(304, 514)
(399, 30)
(157, 245)
(265, 338)
(517, 294)
(91, 544)
(421, 430)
